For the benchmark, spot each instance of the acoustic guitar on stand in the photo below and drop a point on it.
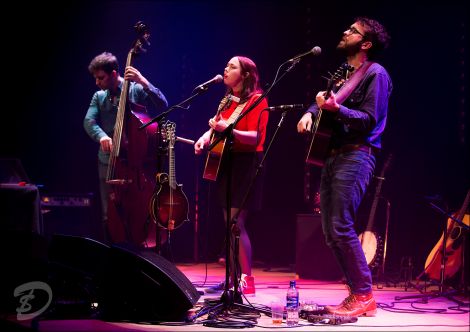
(453, 246)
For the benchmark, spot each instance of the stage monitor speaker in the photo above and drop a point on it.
(23, 257)
(77, 267)
(127, 283)
(313, 258)
(143, 286)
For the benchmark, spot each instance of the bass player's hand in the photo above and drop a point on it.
(305, 123)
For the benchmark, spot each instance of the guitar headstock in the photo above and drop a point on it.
(339, 77)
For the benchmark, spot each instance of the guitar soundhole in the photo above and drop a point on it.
(455, 233)
(457, 243)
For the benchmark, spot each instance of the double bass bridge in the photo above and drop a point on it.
(119, 181)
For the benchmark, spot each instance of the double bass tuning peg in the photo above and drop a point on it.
(143, 32)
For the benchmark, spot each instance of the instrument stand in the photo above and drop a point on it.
(381, 274)
(164, 150)
(440, 293)
(232, 298)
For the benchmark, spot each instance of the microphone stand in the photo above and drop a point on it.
(229, 298)
(162, 115)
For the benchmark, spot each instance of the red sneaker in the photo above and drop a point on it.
(355, 305)
(247, 285)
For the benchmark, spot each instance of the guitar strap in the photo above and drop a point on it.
(236, 113)
(343, 93)
(222, 103)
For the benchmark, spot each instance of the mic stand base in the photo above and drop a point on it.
(233, 298)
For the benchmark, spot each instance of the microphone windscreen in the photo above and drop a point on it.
(316, 50)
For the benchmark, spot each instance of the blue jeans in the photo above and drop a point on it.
(344, 180)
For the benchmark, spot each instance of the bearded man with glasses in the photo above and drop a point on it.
(357, 113)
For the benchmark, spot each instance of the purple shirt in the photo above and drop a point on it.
(362, 117)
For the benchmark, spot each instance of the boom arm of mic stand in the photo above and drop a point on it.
(180, 105)
(460, 222)
(223, 134)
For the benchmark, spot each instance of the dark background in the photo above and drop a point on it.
(47, 89)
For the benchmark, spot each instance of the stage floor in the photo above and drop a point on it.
(438, 314)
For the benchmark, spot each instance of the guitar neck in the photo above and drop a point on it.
(378, 189)
(464, 207)
(373, 209)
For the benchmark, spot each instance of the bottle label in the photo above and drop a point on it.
(292, 301)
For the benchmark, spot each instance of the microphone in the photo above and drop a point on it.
(205, 85)
(315, 51)
(331, 319)
(286, 107)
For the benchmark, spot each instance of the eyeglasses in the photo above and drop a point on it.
(353, 30)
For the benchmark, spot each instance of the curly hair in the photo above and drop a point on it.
(375, 33)
(104, 61)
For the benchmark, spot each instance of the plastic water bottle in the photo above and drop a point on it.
(292, 304)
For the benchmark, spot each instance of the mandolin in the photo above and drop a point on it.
(169, 204)
(453, 246)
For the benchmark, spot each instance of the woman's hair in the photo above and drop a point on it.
(104, 61)
(251, 84)
(375, 33)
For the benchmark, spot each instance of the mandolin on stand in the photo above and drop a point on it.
(169, 204)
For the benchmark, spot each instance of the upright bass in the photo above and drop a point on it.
(132, 164)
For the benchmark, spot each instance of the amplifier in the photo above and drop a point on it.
(77, 200)
(70, 214)
(313, 259)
